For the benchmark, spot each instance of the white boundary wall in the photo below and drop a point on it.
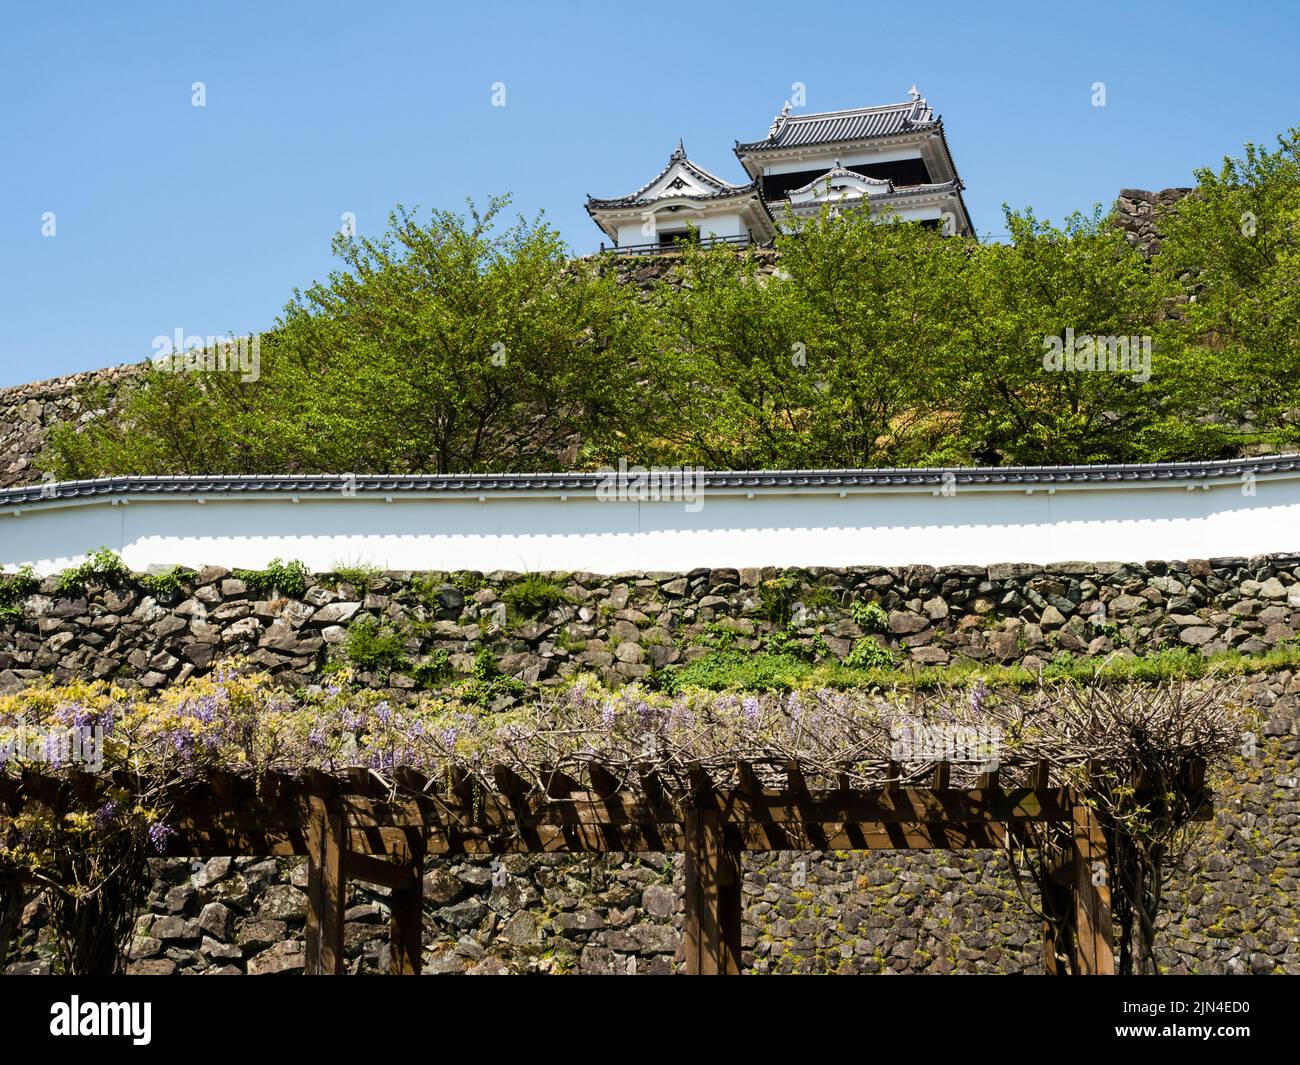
(545, 530)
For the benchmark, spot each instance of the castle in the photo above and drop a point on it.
(892, 158)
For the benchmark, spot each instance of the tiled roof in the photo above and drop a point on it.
(721, 188)
(250, 486)
(635, 199)
(924, 190)
(840, 172)
(832, 126)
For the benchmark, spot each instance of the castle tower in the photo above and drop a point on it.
(683, 195)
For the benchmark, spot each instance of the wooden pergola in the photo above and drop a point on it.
(354, 825)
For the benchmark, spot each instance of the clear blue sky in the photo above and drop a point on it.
(170, 216)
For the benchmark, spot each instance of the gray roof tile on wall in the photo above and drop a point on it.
(252, 485)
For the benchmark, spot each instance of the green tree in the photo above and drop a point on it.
(1015, 406)
(1232, 250)
(444, 346)
(835, 358)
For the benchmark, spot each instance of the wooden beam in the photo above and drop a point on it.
(713, 899)
(651, 785)
(410, 779)
(1093, 929)
(371, 870)
(215, 843)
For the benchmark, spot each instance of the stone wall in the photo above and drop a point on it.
(1233, 906)
(29, 412)
(1138, 212)
(635, 626)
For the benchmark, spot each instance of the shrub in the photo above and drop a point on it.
(870, 616)
(289, 578)
(867, 653)
(468, 581)
(489, 682)
(103, 566)
(774, 600)
(820, 596)
(360, 575)
(15, 587)
(160, 585)
(738, 670)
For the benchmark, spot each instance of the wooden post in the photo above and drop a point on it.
(1093, 932)
(1058, 939)
(406, 921)
(326, 892)
(713, 898)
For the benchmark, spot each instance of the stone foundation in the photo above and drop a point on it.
(632, 627)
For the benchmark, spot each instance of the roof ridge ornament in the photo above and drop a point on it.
(680, 151)
(920, 106)
(779, 120)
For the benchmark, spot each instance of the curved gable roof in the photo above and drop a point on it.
(716, 187)
(829, 127)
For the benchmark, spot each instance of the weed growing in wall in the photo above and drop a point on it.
(14, 588)
(102, 566)
(534, 595)
(371, 645)
(288, 578)
(868, 616)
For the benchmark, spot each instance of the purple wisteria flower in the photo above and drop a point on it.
(977, 695)
(206, 710)
(752, 709)
(607, 715)
(105, 814)
(74, 714)
(159, 834)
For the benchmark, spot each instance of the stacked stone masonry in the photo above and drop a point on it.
(1232, 907)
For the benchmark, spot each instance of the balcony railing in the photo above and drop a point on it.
(657, 248)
